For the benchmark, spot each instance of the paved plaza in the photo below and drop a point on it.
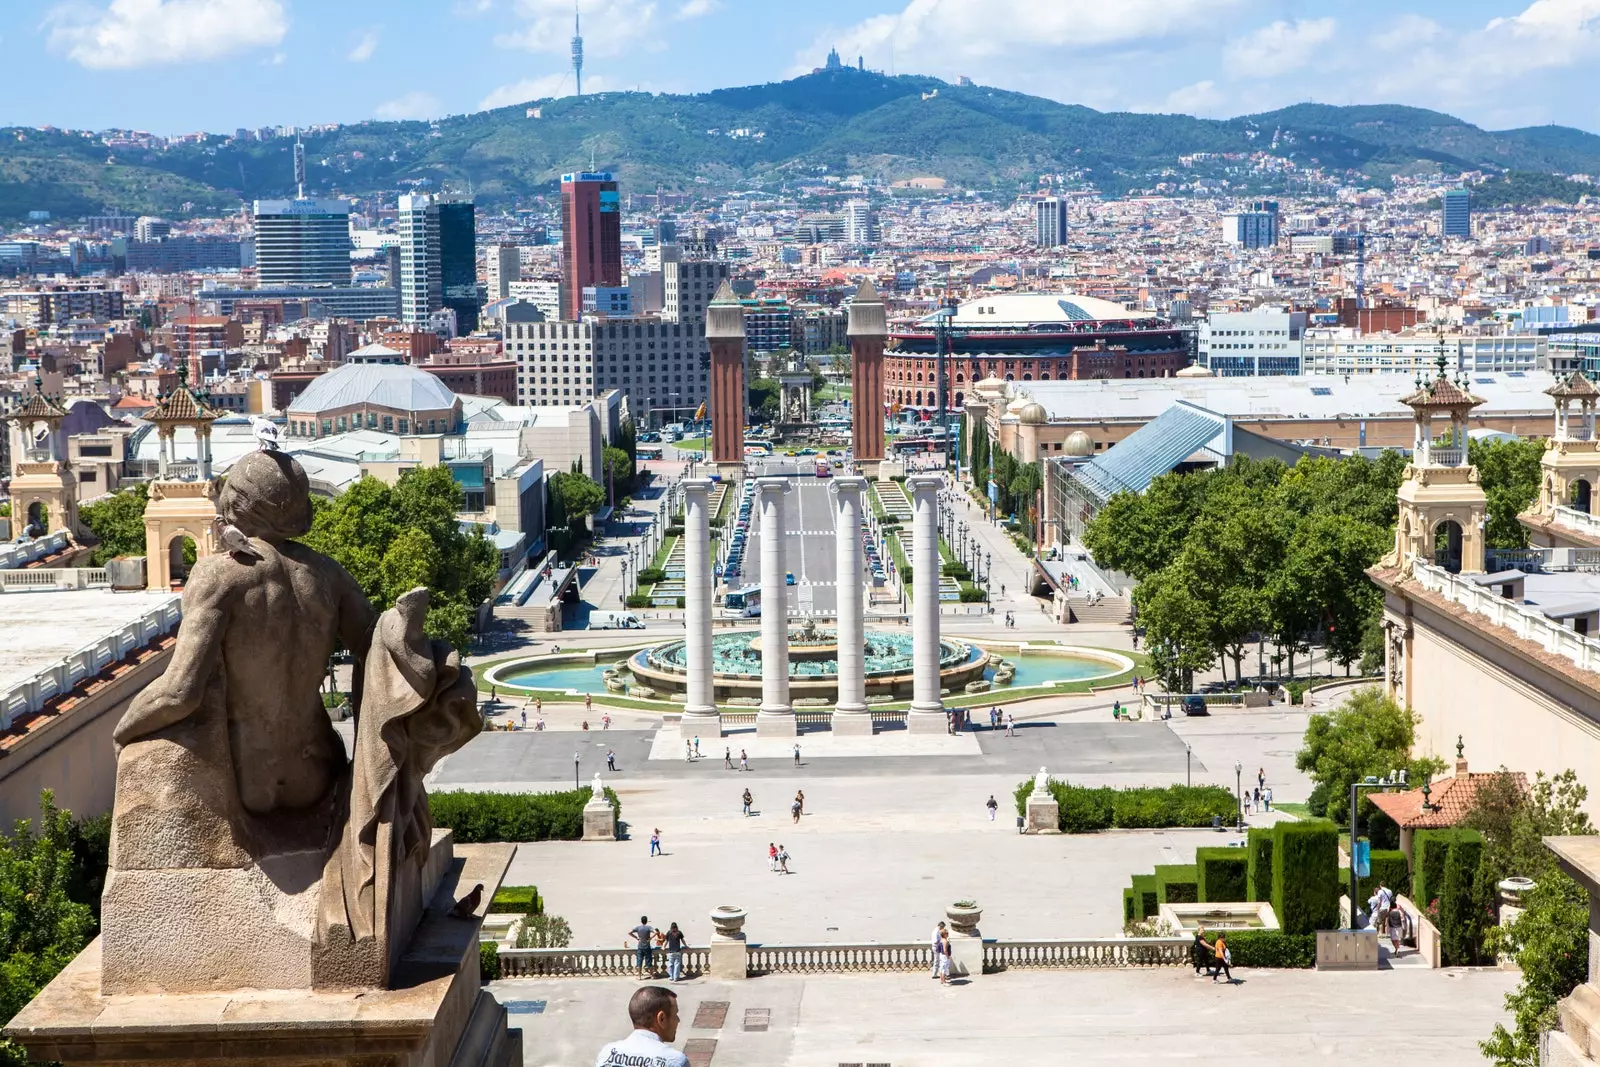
(1112, 1018)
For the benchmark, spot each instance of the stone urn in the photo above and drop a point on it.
(728, 919)
(1515, 890)
(964, 916)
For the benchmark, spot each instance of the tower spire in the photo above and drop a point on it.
(577, 49)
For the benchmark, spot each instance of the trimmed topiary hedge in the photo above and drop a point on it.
(1269, 948)
(1221, 874)
(1305, 875)
(1130, 907)
(1258, 877)
(1430, 851)
(517, 899)
(476, 817)
(1175, 883)
(651, 575)
(1085, 809)
(489, 961)
(1144, 889)
(1389, 866)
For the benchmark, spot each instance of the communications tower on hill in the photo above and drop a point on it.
(577, 50)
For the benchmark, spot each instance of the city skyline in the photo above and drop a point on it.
(172, 66)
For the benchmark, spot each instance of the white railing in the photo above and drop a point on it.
(37, 579)
(592, 962)
(24, 553)
(31, 694)
(1537, 560)
(837, 959)
(1087, 952)
(853, 958)
(1446, 457)
(1573, 519)
(1527, 623)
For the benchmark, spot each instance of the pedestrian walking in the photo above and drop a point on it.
(797, 755)
(696, 746)
(1261, 777)
(772, 857)
(993, 805)
(1224, 958)
(783, 860)
(800, 800)
(655, 842)
(794, 810)
(605, 721)
(744, 761)
(524, 718)
(538, 705)
(727, 759)
(611, 760)
(644, 957)
(653, 1011)
(688, 752)
(1200, 952)
(748, 800)
(1011, 725)
(944, 957)
(1266, 797)
(674, 943)
(936, 944)
(588, 702)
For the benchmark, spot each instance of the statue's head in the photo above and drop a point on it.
(267, 495)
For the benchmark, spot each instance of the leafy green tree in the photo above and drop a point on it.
(1139, 534)
(1368, 735)
(393, 538)
(764, 398)
(574, 496)
(1509, 472)
(1175, 610)
(1550, 942)
(1322, 584)
(118, 521)
(41, 926)
(619, 468)
(1514, 820)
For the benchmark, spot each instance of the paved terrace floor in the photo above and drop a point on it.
(42, 628)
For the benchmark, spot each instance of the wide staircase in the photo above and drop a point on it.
(1109, 611)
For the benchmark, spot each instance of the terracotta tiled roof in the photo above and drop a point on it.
(1449, 801)
(181, 405)
(1441, 393)
(1575, 387)
(39, 406)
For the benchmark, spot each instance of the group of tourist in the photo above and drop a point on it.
(1215, 959)
(647, 939)
(777, 858)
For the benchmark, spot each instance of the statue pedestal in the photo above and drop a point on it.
(851, 723)
(436, 1014)
(1044, 814)
(599, 820)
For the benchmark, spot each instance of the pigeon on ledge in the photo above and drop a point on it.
(467, 906)
(233, 540)
(266, 432)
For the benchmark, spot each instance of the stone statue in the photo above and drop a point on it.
(419, 705)
(233, 788)
(1041, 784)
(597, 790)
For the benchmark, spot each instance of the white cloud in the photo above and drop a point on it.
(1001, 29)
(693, 9)
(1202, 98)
(1552, 17)
(546, 87)
(1407, 32)
(1278, 48)
(413, 105)
(610, 27)
(364, 48)
(128, 34)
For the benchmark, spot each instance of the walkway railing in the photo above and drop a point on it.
(1527, 623)
(809, 718)
(1086, 952)
(20, 555)
(34, 579)
(31, 694)
(591, 962)
(836, 959)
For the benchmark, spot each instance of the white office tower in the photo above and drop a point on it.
(502, 267)
(860, 228)
(302, 242)
(1050, 222)
(421, 280)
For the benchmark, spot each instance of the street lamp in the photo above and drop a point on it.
(1188, 756)
(624, 580)
(575, 770)
(1389, 781)
(1238, 785)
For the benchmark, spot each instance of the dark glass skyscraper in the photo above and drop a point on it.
(458, 261)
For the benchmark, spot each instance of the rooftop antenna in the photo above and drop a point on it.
(577, 49)
(299, 168)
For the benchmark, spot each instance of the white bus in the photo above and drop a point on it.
(742, 603)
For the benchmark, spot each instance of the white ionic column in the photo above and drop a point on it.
(850, 715)
(776, 717)
(927, 713)
(700, 709)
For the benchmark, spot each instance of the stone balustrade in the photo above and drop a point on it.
(37, 579)
(1527, 623)
(1573, 519)
(25, 552)
(856, 958)
(31, 694)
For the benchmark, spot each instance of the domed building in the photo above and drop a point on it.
(390, 397)
(1078, 445)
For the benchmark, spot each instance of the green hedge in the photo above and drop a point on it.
(1085, 809)
(651, 575)
(1129, 906)
(1388, 866)
(1258, 877)
(1305, 875)
(477, 817)
(1430, 851)
(1269, 948)
(1144, 888)
(518, 899)
(1462, 917)
(1221, 874)
(489, 961)
(1175, 883)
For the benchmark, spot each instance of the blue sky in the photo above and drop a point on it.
(177, 65)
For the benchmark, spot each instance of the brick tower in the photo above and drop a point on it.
(725, 332)
(868, 331)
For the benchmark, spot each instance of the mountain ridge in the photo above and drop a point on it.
(840, 121)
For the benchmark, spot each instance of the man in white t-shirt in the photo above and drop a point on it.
(653, 1011)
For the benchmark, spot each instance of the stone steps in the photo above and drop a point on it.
(1110, 611)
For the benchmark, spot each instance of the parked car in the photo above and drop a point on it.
(1195, 705)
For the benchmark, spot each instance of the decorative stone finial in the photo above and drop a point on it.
(1460, 746)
